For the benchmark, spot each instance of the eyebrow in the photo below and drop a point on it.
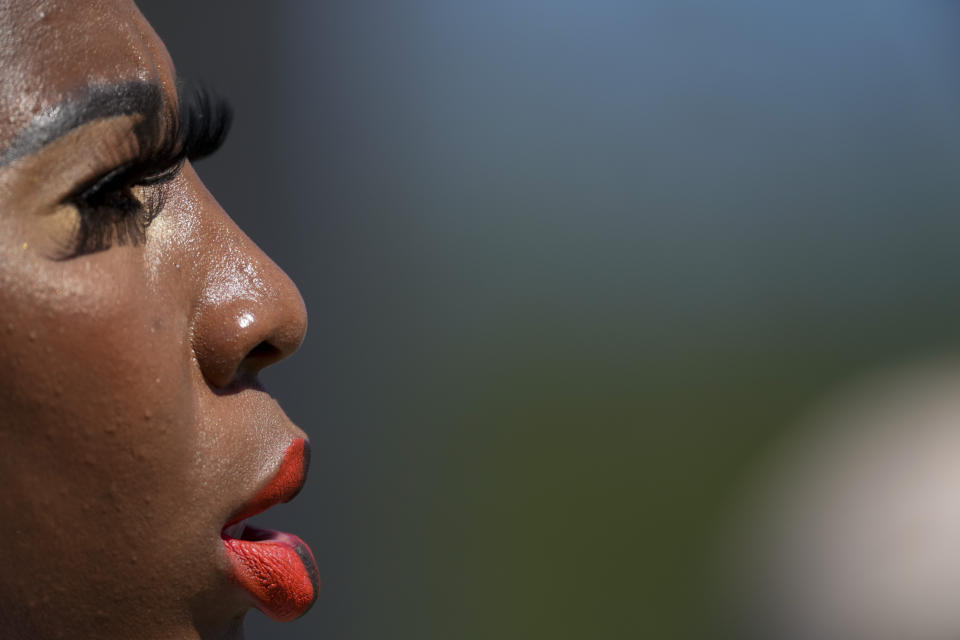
(94, 102)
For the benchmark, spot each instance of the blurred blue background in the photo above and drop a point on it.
(569, 266)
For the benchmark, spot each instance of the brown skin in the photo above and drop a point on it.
(131, 424)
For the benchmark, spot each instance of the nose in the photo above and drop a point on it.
(249, 314)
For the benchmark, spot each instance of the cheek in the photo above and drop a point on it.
(92, 356)
(97, 426)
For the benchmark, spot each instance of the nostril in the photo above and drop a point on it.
(261, 356)
(264, 350)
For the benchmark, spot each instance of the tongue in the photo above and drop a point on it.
(277, 568)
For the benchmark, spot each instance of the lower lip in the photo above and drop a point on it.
(277, 569)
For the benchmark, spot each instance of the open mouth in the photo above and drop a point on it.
(276, 568)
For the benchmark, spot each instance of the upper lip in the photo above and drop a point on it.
(283, 486)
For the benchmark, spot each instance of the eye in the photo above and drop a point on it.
(117, 207)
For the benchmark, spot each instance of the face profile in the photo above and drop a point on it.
(134, 320)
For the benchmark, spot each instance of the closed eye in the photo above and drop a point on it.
(119, 205)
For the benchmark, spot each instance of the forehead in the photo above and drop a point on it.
(51, 49)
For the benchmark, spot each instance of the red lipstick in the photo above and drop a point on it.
(276, 568)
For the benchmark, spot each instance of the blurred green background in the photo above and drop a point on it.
(570, 267)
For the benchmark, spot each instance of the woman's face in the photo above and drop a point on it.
(132, 427)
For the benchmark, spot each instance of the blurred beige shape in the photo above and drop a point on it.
(851, 529)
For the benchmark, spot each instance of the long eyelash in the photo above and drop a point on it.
(109, 211)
